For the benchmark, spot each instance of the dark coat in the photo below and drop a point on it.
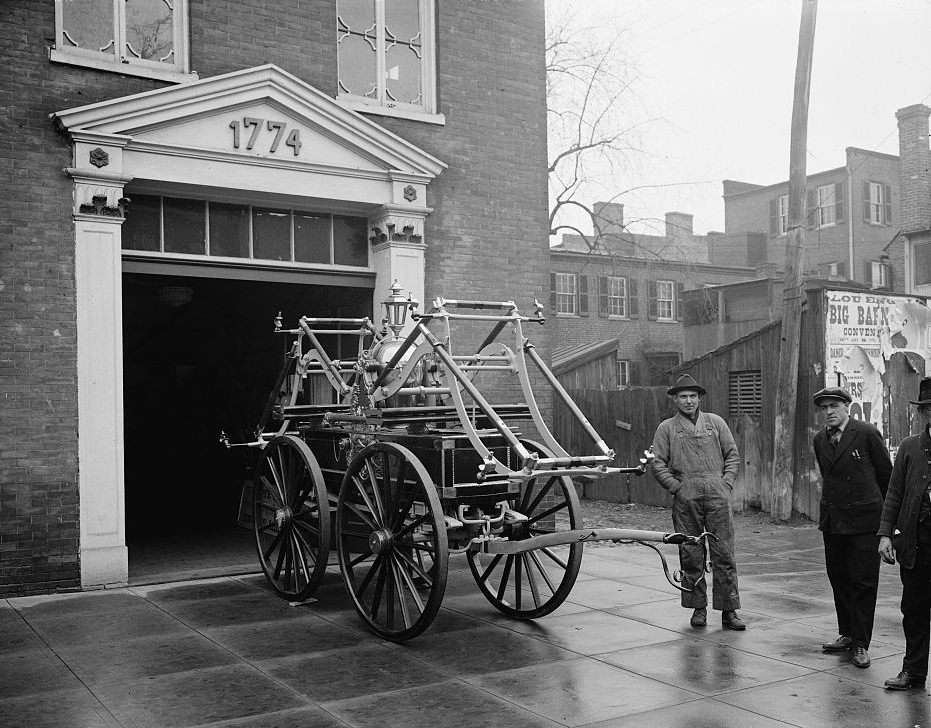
(855, 476)
(906, 487)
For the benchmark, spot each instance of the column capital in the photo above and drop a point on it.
(98, 194)
(397, 225)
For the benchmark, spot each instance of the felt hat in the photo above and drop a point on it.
(686, 382)
(924, 392)
(831, 393)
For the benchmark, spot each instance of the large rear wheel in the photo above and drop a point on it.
(291, 517)
(391, 540)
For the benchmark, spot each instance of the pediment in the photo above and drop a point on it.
(262, 114)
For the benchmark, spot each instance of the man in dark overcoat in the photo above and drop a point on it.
(855, 469)
(905, 535)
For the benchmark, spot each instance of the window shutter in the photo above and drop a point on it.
(839, 199)
(633, 308)
(812, 213)
(651, 296)
(887, 207)
(868, 272)
(633, 372)
(842, 268)
(680, 288)
(866, 201)
(887, 282)
(774, 217)
(553, 294)
(583, 295)
(602, 295)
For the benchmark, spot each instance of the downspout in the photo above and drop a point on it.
(850, 269)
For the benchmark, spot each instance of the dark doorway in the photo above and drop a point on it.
(200, 355)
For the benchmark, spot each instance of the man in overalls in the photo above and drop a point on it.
(697, 462)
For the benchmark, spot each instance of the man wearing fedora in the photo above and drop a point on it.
(905, 535)
(697, 462)
(855, 468)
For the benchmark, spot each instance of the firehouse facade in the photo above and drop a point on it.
(171, 188)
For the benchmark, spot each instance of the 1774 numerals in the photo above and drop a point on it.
(252, 127)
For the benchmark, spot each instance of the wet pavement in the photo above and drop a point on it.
(619, 652)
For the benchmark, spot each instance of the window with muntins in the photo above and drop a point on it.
(824, 206)
(617, 296)
(386, 55)
(877, 203)
(184, 227)
(623, 373)
(665, 300)
(566, 293)
(133, 37)
(783, 213)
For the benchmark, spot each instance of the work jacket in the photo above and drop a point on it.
(855, 476)
(906, 487)
(677, 458)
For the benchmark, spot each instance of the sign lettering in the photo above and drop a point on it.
(252, 130)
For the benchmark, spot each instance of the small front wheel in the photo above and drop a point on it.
(533, 583)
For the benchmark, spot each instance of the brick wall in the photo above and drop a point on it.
(637, 336)
(487, 236)
(915, 170)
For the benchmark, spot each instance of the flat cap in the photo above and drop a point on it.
(832, 393)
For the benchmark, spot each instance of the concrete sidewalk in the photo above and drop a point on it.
(619, 652)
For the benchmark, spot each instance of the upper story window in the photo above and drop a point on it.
(665, 300)
(176, 226)
(782, 215)
(566, 292)
(617, 296)
(824, 206)
(386, 57)
(134, 37)
(877, 203)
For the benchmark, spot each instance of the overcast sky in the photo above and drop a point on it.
(716, 77)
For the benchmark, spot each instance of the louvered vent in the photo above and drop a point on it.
(745, 393)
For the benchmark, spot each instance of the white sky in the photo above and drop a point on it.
(717, 76)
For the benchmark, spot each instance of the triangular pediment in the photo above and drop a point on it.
(261, 114)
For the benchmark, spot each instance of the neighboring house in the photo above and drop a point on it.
(852, 213)
(910, 252)
(176, 174)
(628, 289)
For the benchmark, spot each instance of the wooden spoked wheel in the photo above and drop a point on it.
(291, 517)
(534, 583)
(391, 540)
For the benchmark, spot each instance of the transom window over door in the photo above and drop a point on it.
(386, 55)
(185, 227)
(135, 37)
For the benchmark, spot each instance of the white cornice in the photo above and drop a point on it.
(165, 107)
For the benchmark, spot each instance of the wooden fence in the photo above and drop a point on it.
(627, 420)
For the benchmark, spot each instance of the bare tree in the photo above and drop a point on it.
(589, 93)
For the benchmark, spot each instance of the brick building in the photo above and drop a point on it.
(853, 212)
(629, 289)
(177, 173)
(910, 252)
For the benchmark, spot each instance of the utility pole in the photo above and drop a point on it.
(787, 387)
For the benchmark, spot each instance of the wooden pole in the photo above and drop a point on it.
(787, 387)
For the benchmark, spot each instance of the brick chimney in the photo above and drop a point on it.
(678, 225)
(609, 218)
(914, 168)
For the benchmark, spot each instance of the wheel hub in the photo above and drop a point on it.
(283, 516)
(379, 541)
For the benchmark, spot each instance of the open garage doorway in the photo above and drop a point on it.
(200, 356)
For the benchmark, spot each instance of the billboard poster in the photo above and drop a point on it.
(863, 329)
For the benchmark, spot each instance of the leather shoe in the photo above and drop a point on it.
(841, 644)
(861, 658)
(699, 617)
(905, 680)
(730, 620)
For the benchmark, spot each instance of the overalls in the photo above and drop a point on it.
(702, 503)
